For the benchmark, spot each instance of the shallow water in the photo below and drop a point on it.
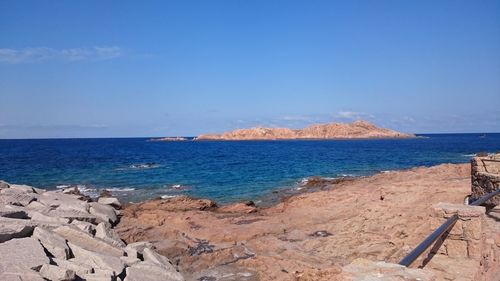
(136, 169)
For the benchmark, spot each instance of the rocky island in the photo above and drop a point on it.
(357, 130)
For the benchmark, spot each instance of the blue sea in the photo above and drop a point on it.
(225, 171)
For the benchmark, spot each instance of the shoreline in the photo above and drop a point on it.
(307, 236)
(378, 217)
(277, 193)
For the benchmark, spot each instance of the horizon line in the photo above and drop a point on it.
(163, 136)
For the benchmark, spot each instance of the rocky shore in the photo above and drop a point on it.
(62, 235)
(324, 235)
(357, 130)
(346, 230)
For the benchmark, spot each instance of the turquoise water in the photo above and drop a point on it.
(136, 169)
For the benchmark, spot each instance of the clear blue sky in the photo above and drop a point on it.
(156, 68)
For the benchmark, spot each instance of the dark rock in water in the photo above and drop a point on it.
(322, 182)
(249, 203)
(321, 233)
(105, 193)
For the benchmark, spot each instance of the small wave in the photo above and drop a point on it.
(144, 166)
(93, 192)
(86, 190)
(139, 166)
(343, 176)
(115, 189)
(168, 196)
(176, 187)
(469, 155)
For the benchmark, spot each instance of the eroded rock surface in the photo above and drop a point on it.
(309, 236)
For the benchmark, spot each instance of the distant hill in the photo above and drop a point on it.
(356, 130)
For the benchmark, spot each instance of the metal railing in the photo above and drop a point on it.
(444, 228)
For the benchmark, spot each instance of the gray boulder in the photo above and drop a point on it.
(104, 231)
(72, 215)
(148, 271)
(110, 201)
(4, 184)
(55, 273)
(13, 197)
(14, 228)
(136, 248)
(41, 217)
(52, 242)
(37, 206)
(105, 212)
(22, 188)
(129, 261)
(20, 274)
(97, 260)
(85, 226)
(84, 240)
(98, 277)
(22, 253)
(13, 213)
(80, 269)
(71, 190)
(63, 201)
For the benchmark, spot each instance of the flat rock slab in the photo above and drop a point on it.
(84, 240)
(16, 198)
(98, 277)
(21, 274)
(97, 260)
(110, 201)
(63, 201)
(38, 216)
(14, 228)
(24, 253)
(13, 213)
(52, 242)
(72, 215)
(148, 271)
(55, 273)
(80, 269)
(22, 188)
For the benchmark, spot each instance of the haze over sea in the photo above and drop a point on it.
(226, 171)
